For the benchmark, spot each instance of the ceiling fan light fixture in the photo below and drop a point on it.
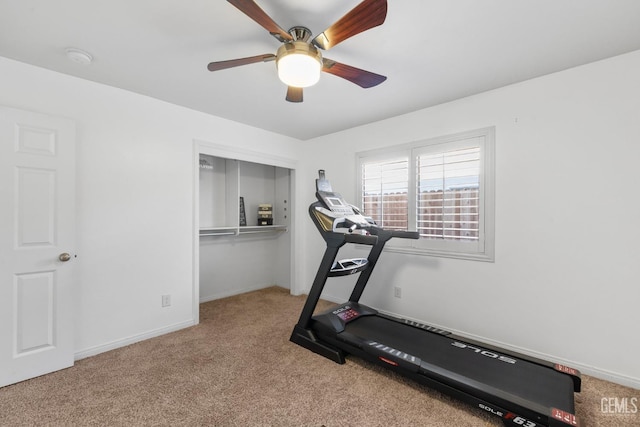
(299, 64)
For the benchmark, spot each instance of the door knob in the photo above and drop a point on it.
(64, 257)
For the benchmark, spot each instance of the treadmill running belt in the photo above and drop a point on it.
(518, 377)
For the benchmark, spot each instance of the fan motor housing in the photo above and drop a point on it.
(298, 48)
(298, 33)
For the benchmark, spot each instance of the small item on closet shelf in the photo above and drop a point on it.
(243, 215)
(265, 214)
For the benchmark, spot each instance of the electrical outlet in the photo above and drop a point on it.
(166, 300)
(397, 291)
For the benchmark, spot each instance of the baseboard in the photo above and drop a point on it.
(602, 374)
(232, 292)
(131, 340)
(613, 377)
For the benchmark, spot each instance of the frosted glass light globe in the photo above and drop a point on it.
(299, 64)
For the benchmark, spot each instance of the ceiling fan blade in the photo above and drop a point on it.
(294, 94)
(368, 14)
(221, 65)
(253, 11)
(362, 78)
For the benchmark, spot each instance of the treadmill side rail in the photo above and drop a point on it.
(573, 373)
(393, 357)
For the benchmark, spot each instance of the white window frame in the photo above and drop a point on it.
(482, 249)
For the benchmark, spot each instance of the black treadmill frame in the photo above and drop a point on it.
(310, 333)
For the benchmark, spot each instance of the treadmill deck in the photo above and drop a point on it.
(451, 360)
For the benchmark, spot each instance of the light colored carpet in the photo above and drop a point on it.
(238, 368)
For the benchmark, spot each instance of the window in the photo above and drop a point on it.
(442, 188)
(385, 189)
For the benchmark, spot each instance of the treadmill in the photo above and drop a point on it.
(521, 390)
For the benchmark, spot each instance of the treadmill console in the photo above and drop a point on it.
(332, 201)
(344, 217)
(336, 204)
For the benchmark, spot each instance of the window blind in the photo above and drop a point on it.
(448, 194)
(385, 192)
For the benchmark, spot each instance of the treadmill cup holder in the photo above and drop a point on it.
(345, 267)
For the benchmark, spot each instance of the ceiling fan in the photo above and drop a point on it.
(298, 60)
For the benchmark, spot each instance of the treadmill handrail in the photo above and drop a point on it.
(362, 239)
(386, 234)
(406, 234)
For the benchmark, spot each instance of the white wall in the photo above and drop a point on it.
(565, 282)
(135, 170)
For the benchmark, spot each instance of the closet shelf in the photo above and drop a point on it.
(235, 231)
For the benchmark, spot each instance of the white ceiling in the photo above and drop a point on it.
(432, 51)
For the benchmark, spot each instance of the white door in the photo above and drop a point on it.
(37, 229)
